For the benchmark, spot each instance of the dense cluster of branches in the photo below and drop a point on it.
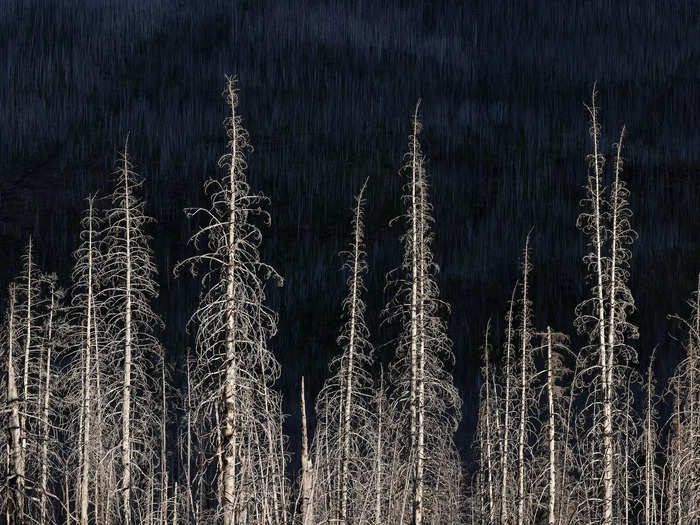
(88, 395)
(574, 437)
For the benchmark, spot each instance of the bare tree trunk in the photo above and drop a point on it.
(550, 399)
(219, 459)
(604, 361)
(229, 436)
(87, 380)
(351, 360)
(188, 455)
(175, 505)
(306, 468)
(378, 461)
(420, 449)
(523, 387)
(126, 387)
(45, 416)
(163, 453)
(282, 482)
(506, 428)
(27, 346)
(648, 450)
(15, 495)
(487, 414)
(417, 483)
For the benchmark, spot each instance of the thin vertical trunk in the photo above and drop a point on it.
(487, 414)
(282, 478)
(550, 399)
(523, 386)
(607, 401)
(100, 470)
(66, 497)
(420, 380)
(626, 465)
(27, 346)
(229, 434)
(506, 428)
(378, 461)
(175, 505)
(188, 467)
(126, 387)
(306, 472)
(45, 418)
(678, 456)
(85, 438)
(15, 505)
(219, 459)
(649, 462)
(351, 359)
(414, 315)
(163, 455)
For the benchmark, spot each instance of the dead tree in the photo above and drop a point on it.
(348, 393)
(235, 371)
(133, 350)
(425, 395)
(603, 317)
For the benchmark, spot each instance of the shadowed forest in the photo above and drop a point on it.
(113, 116)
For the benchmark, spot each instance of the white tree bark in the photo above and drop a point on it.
(504, 516)
(15, 482)
(524, 362)
(552, 458)
(126, 384)
(306, 467)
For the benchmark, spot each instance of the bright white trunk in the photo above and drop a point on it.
(229, 434)
(87, 383)
(27, 346)
(126, 388)
(550, 398)
(45, 419)
(14, 430)
(523, 386)
(306, 468)
(489, 467)
(506, 428)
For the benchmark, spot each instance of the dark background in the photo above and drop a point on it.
(326, 94)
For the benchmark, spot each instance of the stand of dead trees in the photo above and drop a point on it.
(569, 430)
(594, 450)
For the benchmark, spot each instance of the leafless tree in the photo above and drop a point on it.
(603, 317)
(235, 371)
(346, 397)
(683, 452)
(132, 348)
(424, 394)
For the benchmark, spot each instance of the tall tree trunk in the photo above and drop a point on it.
(550, 399)
(351, 361)
(45, 416)
(306, 468)
(163, 453)
(523, 387)
(604, 361)
(378, 461)
(85, 438)
(487, 414)
(229, 434)
(126, 386)
(15, 492)
(27, 346)
(506, 429)
(417, 482)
